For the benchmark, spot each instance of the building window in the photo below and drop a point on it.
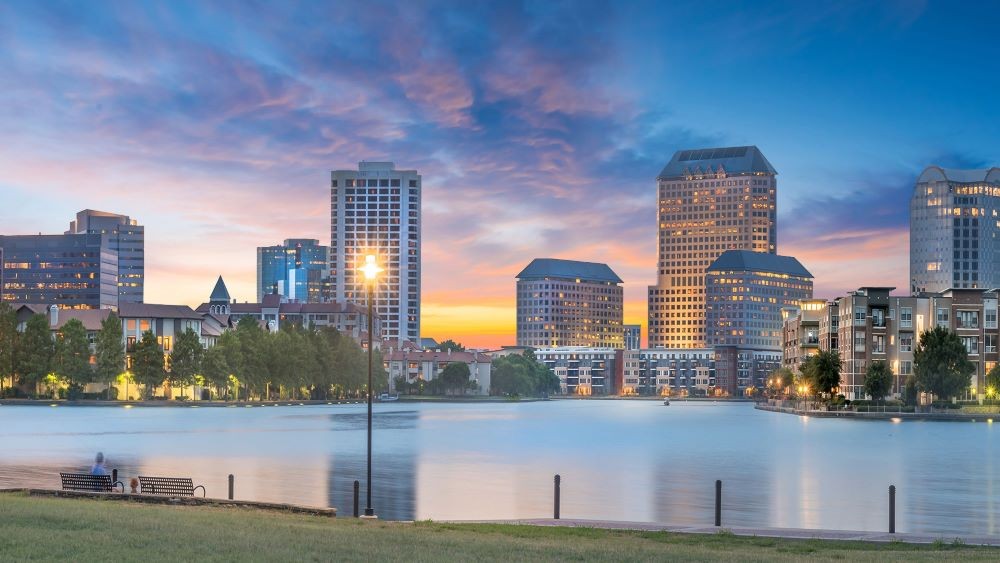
(859, 316)
(990, 318)
(905, 367)
(859, 341)
(906, 342)
(991, 343)
(878, 317)
(968, 319)
(906, 317)
(878, 344)
(971, 344)
(942, 317)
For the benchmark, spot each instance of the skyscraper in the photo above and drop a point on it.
(71, 271)
(569, 303)
(745, 293)
(298, 269)
(376, 210)
(954, 230)
(126, 237)
(710, 201)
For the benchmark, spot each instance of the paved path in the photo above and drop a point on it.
(791, 533)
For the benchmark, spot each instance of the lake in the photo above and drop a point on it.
(619, 460)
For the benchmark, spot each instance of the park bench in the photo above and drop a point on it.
(88, 482)
(174, 486)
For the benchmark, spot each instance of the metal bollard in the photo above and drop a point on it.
(555, 500)
(357, 498)
(718, 502)
(114, 476)
(892, 509)
(231, 479)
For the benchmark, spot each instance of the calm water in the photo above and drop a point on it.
(619, 460)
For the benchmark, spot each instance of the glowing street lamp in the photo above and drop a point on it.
(371, 270)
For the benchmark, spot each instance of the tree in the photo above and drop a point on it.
(214, 368)
(455, 377)
(110, 350)
(36, 351)
(185, 359)
(147, 363)
(878, 380)
(451, 345)
(521, 375)
(941, 364)
(781, 379)
(253, 353)
(993, 382)
(72, 358)
(821, 373)
(8, 342)
(910, 390)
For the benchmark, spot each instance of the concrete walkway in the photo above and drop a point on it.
(787, 533)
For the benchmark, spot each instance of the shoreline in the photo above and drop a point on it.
(893, 416)
(313, 402)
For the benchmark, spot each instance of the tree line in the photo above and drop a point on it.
(941, 367)
(247, 362)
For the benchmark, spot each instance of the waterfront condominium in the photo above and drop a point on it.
(745, 293)
(710, 201)
(124, 236)
(376, 210)
(70, 271)
(954, 230)
(569, 303)
(298, 270)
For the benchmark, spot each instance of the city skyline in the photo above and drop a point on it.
(214, 131)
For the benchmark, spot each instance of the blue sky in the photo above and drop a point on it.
(539, 127)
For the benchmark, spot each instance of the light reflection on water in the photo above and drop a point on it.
(619, 460)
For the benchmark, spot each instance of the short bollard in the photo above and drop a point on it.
(231, 479)
(555, 500)
(718, 502)
(892, 509)
(357, 497)
(114, 476)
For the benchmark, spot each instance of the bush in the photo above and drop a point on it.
(946, 405)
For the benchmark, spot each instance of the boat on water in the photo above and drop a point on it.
(385, 397)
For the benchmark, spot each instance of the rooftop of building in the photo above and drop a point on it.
(746, 260)
(960, 176)
(220, 294)
(153, 311)
(731, 160)
(436, 356)
(272, 301)
(541, 268)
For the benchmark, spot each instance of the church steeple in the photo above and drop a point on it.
(219, 300)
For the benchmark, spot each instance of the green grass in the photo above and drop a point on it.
(46, 528)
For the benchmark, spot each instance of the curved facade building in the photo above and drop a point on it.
(954, 229)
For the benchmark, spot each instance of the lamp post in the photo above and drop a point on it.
(371, 270)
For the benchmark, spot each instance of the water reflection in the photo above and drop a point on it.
(619, 460)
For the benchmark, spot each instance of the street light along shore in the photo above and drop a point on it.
(371, 270)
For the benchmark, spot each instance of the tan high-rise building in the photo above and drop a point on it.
(710, 201)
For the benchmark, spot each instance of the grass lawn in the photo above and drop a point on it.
(33, 528)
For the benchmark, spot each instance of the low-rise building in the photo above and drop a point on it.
(427, 365)
(275, 310)
(668, 372)
(802, 329)
(870, 324)
(583, 370)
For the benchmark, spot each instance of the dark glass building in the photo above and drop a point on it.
(126, 237)
(71, 271)
(746, 292)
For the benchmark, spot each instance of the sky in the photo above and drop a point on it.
(538, 127)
